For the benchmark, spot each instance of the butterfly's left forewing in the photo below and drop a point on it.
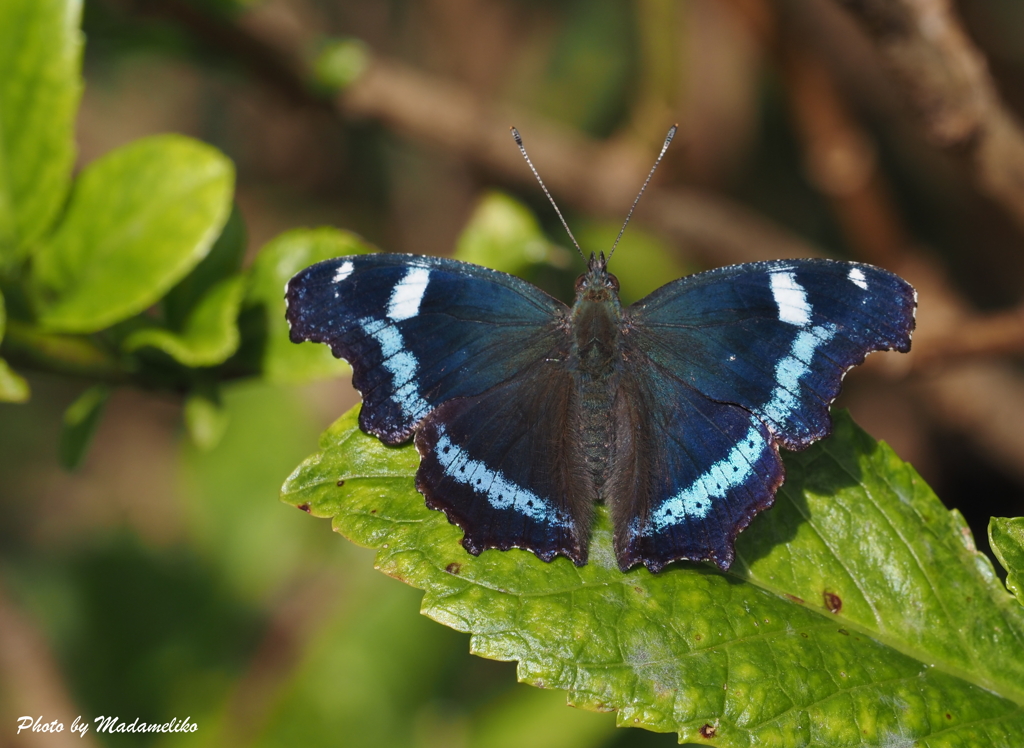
(722, 367)
(775, 337)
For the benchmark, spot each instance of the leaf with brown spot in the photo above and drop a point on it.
(736, 651)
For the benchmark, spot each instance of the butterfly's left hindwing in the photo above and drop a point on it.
(419, 331)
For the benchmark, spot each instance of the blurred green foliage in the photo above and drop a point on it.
(40, 57)
(80, 422)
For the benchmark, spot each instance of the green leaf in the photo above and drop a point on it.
(223, 261)
(340, 63)
(504, 235)
(285, 362)
(40, 84)
(210, 333)
(205, 419)
(13, 388)
(80, 422)
(139, 220)
(858, 611)
(1007, 539)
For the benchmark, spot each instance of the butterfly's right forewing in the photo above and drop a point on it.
(420, 331)
(475, 361)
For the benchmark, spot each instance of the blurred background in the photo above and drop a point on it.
(163, 580)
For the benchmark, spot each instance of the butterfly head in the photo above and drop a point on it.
(597, 284)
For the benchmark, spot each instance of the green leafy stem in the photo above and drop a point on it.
(131, 272)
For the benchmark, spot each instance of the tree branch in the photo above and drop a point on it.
(600, 178)
(31, 683)
(946, 79)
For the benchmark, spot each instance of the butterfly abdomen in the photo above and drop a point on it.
(595, 363)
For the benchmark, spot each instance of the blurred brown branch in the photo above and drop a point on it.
(596, 177)
(32, 684)
(602, 177)
(599, 178)
(840, 160)
(946, 79)
(975, 337)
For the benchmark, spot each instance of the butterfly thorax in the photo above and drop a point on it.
(596, 323)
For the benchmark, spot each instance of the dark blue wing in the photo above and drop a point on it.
(419, 331)
(774, 337)
(688, 473)
(506, 466)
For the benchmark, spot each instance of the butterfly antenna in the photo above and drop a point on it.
(664, 147)
(522, 149)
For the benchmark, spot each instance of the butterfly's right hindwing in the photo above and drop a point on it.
(419, 331)
(506, 466)
(688, 473)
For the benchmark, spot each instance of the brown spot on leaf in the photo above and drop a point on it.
(794, 598)
(708, 731)
(639, 589)
(341, 482)
(373, 511)
(304, 507)
(832, 601)
(698, 637)
(453, 568)
(803, 635)
(844, 632)
(949, 716)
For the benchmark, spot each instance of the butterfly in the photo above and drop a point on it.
(527, 412)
